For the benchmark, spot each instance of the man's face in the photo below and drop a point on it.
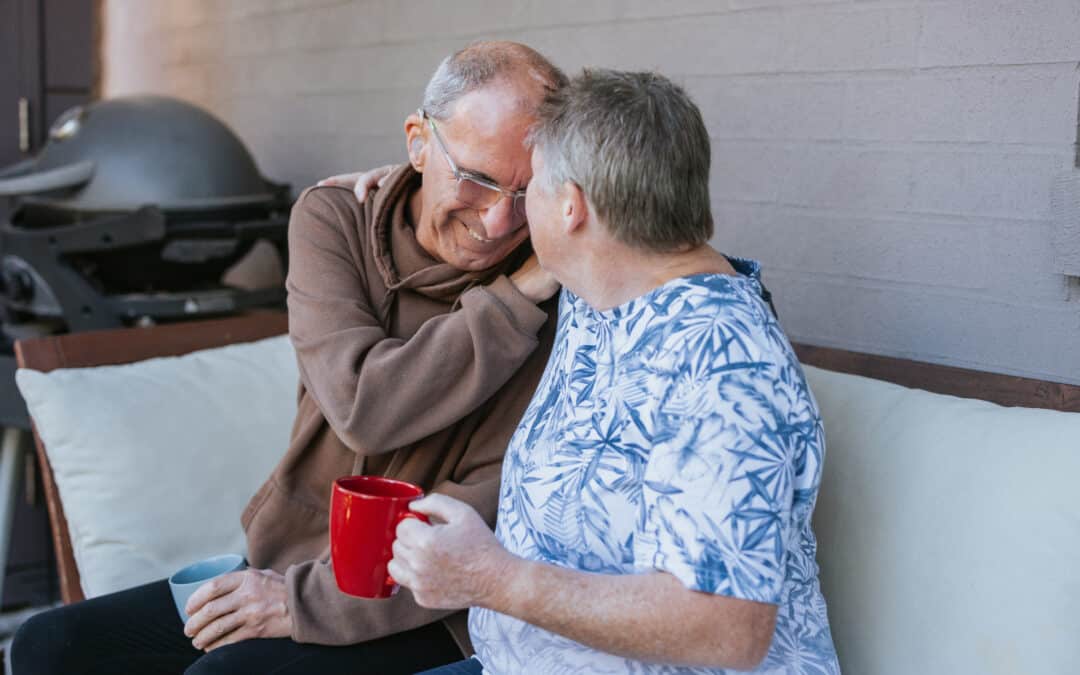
(485, 136)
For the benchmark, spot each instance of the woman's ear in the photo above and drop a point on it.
(575, 207)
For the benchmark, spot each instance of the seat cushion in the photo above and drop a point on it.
(154, 461)
(948, 531)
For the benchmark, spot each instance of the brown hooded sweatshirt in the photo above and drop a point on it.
(409, 368)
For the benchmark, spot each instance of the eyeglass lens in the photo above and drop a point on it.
(482, 197)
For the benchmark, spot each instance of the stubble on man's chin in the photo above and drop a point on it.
(476, 261)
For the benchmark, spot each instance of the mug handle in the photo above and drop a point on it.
(402, 516)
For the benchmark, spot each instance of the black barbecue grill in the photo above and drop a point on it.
(130, 214)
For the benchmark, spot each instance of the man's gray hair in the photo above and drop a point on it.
(637, 147)
(480, 63)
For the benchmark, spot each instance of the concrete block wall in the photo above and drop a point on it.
(889, 161)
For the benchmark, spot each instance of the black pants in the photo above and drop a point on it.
(139, 631)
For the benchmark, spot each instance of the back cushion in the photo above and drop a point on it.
(948, 531)
(155, 460)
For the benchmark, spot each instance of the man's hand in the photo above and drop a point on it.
(534, 282)
(238, 606)
(360, 182)
(454, 562)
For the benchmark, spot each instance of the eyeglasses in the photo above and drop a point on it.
(473, 190)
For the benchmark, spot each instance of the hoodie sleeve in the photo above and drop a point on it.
(322, 614)
(361, 378)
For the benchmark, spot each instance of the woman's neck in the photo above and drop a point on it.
(622, 273)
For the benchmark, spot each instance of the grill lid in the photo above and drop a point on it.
(124, 153)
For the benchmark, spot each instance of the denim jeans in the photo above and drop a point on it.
(467, 667)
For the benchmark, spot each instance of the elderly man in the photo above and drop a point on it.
(420, 336)
(655, 510)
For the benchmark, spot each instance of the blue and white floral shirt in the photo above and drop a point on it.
(675, 432)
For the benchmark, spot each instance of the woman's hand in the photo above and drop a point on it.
(452, 563)
(361, 182)
(238, 606)
(534, 281)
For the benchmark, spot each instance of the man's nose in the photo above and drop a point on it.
(499, 219)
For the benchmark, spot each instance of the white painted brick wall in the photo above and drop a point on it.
(889, 161)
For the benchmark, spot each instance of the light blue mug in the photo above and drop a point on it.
(187, 581)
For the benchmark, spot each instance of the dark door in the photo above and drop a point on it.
(47, 64)
(15, 93)
(69, 59)
(9, 89)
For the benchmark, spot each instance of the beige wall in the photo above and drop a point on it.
(890, 162)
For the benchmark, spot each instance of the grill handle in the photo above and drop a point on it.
(67, 176)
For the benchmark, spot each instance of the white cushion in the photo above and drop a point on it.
(948, 530)
(155, 460)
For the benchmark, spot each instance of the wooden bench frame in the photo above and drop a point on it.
(135, 344)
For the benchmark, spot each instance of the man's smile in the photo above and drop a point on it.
(475, 235)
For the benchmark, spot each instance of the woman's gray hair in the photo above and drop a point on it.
(480, 63)
(635, 143)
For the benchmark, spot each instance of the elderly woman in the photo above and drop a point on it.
(656, 497)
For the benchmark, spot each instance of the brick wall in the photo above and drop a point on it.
(890, 162)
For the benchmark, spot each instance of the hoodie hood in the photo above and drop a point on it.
(403, 263)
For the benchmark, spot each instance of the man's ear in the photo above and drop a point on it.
(415, 141)
(575, 207)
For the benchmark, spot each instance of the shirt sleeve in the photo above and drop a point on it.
(719, 481)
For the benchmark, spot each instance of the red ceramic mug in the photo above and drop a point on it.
(364, 514)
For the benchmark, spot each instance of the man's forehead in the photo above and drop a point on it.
(489, 140)
(492, 111)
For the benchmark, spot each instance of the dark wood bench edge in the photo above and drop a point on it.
(1005, 390)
